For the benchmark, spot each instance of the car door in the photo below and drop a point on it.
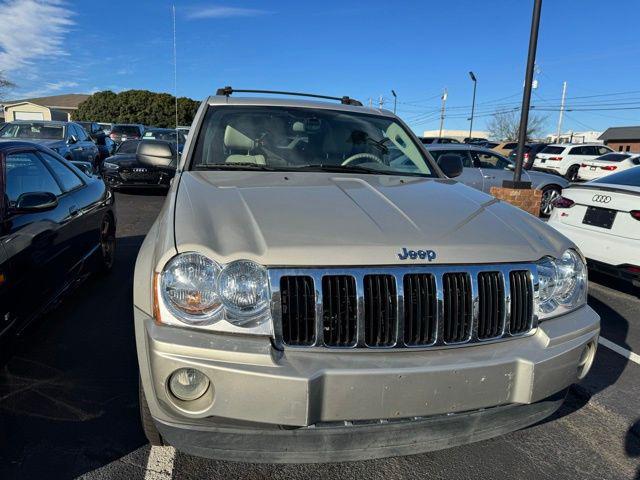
(88, 149)
(471, 175)
(36, 243)
(83, 234)
(494, 168)
(75, 147)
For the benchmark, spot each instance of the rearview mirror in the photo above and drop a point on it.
(155, 153)
(36, 202)
(450, 164)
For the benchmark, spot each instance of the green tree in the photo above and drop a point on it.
(137, 106)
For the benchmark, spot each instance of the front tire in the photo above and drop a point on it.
(549, 194)
(148, 426)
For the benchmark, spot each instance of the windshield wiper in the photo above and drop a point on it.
(236, 166)
(324, 167)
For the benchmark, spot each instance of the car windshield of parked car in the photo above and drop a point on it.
(39, 131)
(130, 146)
(126, 130)
(630, 177)
(168, 135)
(614, 157)
(552, 150)
(290, 139)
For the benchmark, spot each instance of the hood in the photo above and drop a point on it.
(311, 219)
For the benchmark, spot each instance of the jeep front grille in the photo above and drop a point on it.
(404, 307)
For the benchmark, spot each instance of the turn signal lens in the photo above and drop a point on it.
(563, 202)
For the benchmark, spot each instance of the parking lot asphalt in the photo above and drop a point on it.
(69, 404)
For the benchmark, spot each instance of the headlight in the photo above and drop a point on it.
(188, 288)
(197, 291)
(562, 284)
(110, 166)
(244, 289)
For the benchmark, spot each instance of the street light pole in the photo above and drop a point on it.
(526, 99)
(395, 100)
(473, 103)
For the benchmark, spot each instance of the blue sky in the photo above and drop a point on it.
(363, 49)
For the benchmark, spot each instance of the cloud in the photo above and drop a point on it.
(32, 30)
(221, 11)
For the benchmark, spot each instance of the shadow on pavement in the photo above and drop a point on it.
(68, 396)
(632, 444)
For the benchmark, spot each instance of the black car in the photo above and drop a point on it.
(126, 131)
(57, 225)
(126, 169)
(530, 152)
(68, 139)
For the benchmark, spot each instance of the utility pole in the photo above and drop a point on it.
(395, 101)
(526, 99)
(564, 94)
(444, 103)
(370, 103)
(380, 102)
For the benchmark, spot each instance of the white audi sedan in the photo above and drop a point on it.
(603, 218)
(607, 164)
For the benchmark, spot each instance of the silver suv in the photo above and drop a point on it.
(315, 289)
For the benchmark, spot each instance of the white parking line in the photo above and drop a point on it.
(160, 463)
(634, 357)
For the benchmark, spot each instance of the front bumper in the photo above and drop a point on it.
(268, 405)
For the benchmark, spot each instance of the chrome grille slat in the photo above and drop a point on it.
(487, 301)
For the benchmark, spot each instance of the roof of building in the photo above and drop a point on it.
(69, 100)
(621, 133)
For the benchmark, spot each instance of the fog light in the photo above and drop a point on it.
(586, 359)
(188, 384)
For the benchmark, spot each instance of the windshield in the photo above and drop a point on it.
(35, 130)
(130, 130)
(168, 135)
(130, 146)
(614, 157)
(552, 150)
(630, 177)
(288, 138)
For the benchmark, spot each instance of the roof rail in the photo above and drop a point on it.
(227, 91)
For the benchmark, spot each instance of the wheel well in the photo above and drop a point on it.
(553, 185)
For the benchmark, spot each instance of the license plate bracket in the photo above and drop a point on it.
(599, 217)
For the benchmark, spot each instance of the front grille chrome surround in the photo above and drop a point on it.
(398, 279)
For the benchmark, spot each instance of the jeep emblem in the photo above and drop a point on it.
(415, 254)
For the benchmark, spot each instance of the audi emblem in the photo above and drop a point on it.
(601, 198)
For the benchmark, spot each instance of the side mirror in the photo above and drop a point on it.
(36, 202)
(450, 164)
(73, 139)
(156, 153)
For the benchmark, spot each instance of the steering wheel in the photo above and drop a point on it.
(362, 156)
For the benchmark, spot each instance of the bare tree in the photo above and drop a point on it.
(505, 126)
(5, 85)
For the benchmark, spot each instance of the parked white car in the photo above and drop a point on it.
(565, 159)
(607, 164)
(602, 217)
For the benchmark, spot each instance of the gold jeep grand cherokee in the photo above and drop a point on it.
(316, 288)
